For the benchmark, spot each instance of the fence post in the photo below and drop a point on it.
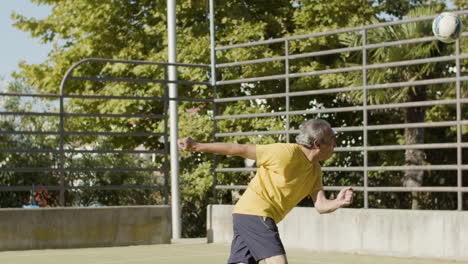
(364, 113)
(213, 84)
(286, 62)
(459, 127)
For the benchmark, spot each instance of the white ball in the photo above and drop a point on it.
(447, 27)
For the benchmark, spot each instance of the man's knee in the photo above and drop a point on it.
(280, 259)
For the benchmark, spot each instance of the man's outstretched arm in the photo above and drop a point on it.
(324, 206)
(247, 151)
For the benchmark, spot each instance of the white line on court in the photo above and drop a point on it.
(96, 251)
(50, 254)
(132, 260)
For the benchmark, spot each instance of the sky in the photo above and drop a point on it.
(16, 45)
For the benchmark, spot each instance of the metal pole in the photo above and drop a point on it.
(61, 137)
(459, 129)
(286, 54)
(62, 154)
(213, 83)
(364, 104)
(213, 44)
(166, 140)
(172, 58)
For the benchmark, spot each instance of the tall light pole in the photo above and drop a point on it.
(174, 134)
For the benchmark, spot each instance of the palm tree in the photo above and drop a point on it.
(411, 178)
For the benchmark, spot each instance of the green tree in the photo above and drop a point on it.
(461, 4)
(23, 141)
(127, 29)
(412, 178)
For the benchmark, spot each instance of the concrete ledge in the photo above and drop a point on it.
(42, 228)
(404, 233)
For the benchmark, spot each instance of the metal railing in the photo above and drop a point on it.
(287, 94)
(62, 166)
(364, 108)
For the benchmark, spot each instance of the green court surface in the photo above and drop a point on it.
(186, 253)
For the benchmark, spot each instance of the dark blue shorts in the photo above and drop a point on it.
(255, 238)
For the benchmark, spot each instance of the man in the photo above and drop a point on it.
(286, 174)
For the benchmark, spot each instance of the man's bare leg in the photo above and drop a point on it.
(280, 259)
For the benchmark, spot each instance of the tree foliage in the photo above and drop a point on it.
(407, 73)
(128, 29)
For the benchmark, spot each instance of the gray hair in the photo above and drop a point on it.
(311, 130)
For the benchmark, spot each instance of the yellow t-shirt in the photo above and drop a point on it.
(284, 177)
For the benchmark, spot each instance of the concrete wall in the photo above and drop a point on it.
(84, 227)
(406, 233)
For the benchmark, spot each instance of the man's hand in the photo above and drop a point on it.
(325, 206)
(187, 144)
(345, 197)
